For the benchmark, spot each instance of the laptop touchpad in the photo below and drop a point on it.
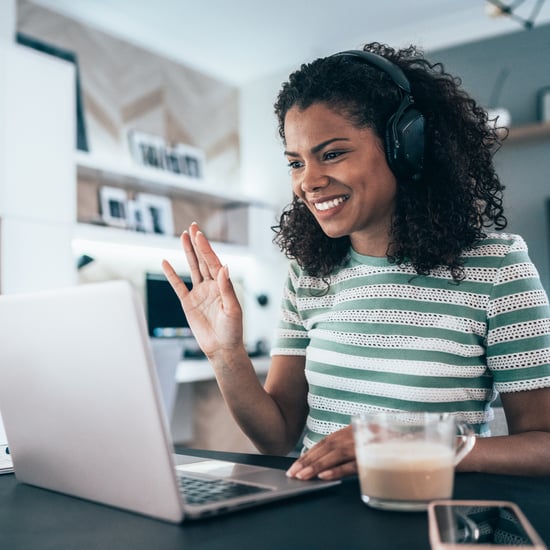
(218, 468)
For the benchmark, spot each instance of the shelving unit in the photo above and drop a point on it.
(229, 216)
(529, 131)
(153, 180)
(113, 245)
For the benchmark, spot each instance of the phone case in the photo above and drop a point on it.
(435, 536)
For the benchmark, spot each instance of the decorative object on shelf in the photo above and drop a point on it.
(135, 217)
(114, 206)
(156, 212)
(66, 55)
(544, 104)
(147, 149)
(190, 160)
(151, 150)
(499, 117)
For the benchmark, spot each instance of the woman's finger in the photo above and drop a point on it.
(177, 284)
(207, 261)
(192, 259)
(338, 472)
(209, 257)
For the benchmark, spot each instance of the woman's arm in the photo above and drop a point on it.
(273, 417)
(526, 450)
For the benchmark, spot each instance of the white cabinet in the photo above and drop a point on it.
(37, 178)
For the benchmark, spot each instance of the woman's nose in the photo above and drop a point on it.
(313, 178)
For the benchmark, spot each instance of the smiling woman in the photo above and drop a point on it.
(401, 294)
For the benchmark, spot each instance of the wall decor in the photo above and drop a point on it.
(114, 206)
(191, 160)
(151, 150)
(147, 149)
(156, 213)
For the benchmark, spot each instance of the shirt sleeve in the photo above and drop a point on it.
(291, 336)
(518, 339)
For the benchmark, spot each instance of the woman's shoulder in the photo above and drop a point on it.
(498, 244)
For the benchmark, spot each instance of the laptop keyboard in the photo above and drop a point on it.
(203, 491)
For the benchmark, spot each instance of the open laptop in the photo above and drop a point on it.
(84, 416)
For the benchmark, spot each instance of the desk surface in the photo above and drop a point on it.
(32, 518)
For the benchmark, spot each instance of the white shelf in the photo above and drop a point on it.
(196, 370)
(529, 131)
(136, 239)
(157, 181)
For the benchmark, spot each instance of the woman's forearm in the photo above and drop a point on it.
(253, 408)
(526, 453)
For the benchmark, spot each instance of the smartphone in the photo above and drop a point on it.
(480, 524)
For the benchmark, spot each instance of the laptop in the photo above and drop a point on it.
(84, 415)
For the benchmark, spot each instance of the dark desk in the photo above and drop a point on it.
(32, 518)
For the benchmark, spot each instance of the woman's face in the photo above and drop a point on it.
(341, 174)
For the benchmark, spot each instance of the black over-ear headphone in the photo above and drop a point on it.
(405, 128)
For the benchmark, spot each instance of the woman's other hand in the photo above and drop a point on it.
(332, 458)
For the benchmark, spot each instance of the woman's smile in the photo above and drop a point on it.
(324, 205)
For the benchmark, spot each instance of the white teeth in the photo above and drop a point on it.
(330, 204)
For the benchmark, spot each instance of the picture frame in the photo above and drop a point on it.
(179, 158)
(191, 160)
(543, 97)
(114, 206)
(147, 149)
(156, 213)
(135, 216)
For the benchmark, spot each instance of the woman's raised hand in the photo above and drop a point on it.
(211, 306)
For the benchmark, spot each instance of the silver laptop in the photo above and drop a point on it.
(84, 415)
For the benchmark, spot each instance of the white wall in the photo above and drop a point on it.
(7, 21)
(264, 174)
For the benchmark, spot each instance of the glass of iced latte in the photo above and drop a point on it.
(405, 460)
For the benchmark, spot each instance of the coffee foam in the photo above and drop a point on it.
(409, 455)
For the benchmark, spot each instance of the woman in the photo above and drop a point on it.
(398, 297)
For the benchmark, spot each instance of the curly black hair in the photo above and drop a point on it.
(459, 195)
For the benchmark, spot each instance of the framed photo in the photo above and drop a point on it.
(114, 206)
(147, 149)
(156, 213)
(135, 216)
(190, 160)
(544, 104)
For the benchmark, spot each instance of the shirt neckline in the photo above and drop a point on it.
(375, 261)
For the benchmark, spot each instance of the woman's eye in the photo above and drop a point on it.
(294, 164)
(330, 155)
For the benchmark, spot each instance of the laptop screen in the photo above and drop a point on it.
(165, 317)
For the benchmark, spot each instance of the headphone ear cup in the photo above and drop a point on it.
(405, 144)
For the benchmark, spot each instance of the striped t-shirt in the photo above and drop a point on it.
(383, 338)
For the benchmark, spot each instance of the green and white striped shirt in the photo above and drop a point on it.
(383, 338)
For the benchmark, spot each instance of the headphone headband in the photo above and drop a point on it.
(392, 70)
(405, 128)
